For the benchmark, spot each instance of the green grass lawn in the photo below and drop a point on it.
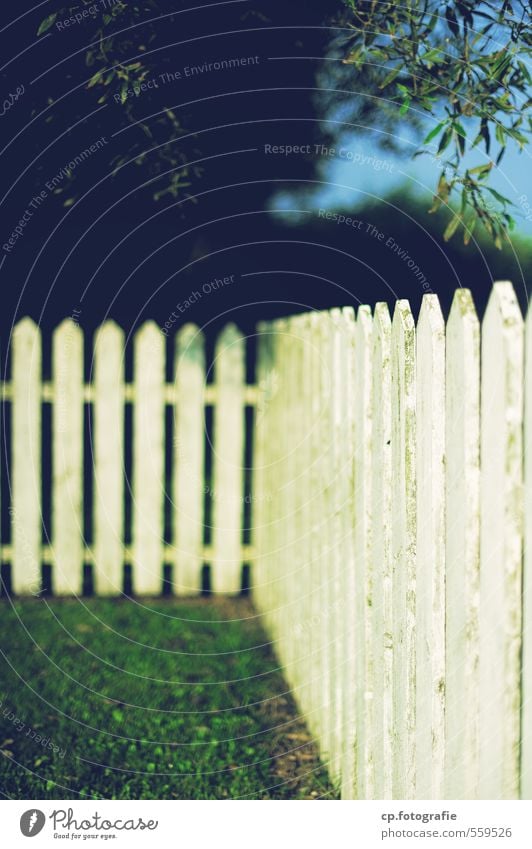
(147, 700)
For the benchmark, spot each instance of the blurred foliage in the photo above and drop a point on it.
(463, 66)
(117, 35)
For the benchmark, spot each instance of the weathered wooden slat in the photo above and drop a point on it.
(260, 461)
(294, 551)
(381, 498)
(337, 497)
(313, 631)
(462, 542)
(526, 720)
(26, 519)
(346, 624)
(323, 660)
(306, 487)
(501, 528)
(228, 461)
(329, 565)
(265, 417)
(404, 548)
(430, 552)
(148, 459)
(67, 443)
(280, 476)
(274, 479)
(189, 462)
(108, 447)
(363, 602)
(354, 400)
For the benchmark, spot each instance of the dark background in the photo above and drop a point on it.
(117, 252)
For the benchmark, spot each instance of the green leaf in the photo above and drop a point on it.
(451, 228)
(389, 78)
(445, 139)
(497, 195)
(433, 133)
(95, 78)
(47, 23)
(481, 171)
(405, 106)
(469, 229)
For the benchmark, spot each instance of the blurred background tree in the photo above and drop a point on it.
(453, 76)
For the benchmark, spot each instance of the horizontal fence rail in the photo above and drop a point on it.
(172, 478)
(393, 567)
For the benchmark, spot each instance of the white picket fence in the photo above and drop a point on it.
(107, 393)
(394, 556)
(392, 514)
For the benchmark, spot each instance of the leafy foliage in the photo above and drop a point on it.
(464, 65)
(116, 40)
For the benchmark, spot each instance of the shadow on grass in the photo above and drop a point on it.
(147, 699)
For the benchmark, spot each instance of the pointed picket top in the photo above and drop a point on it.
(504, 300)
(229, 339)
(403, 320)
(109, 330)
(462, 453)
(26, 339)
(431, 319)
(382, 322)
(25, 326)
(190, 343)
(501, 544)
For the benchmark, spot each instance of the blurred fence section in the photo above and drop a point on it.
(393, 557)
(141, 489)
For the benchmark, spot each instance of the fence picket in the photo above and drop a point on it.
(430, 553)
(67, 485)
(363, 607)
(462, 548)
(501, 544)
(403, 548)
(336, 496)
(26, 519)
(305, 521)
(327, 706)
(346, 627)
(268, 387)
(381, 497)
(526, 722)
(228, 461)
(189, 467)
(314, 631)
(108, 497)
(294, 552)
(148, 459)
